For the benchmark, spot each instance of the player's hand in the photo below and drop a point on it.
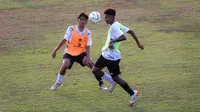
(141, 46)
(53, 54)
(111, 46)
(90, 62)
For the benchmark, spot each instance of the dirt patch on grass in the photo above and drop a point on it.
(189, 10)
(128, 10)
(22, 27)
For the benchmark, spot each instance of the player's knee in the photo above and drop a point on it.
(94, 71)
(114, 77)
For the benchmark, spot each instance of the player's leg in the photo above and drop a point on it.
(97, 71)
(67, 64)
(98, 77)
(126, 87)
(82, 60)
(114, 69)
(90, 64)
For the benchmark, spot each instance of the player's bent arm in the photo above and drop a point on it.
(131, 32)
(135, 38)
(62, 42)
(121, 38)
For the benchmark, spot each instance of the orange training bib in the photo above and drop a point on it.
(78, 43)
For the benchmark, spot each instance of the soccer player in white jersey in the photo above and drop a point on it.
(78, 50)
(110, 56)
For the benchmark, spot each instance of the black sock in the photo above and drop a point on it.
(99, 79)
(100, 83)
(128, 89)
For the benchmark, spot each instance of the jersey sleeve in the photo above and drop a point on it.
(89, 43)
(124, 28)
(68, 33)
(115, 31)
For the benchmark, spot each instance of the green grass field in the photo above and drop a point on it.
(167, 71)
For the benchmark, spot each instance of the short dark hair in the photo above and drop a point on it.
(110, 11)
(83, 14)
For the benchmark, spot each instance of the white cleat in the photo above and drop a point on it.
(133, 97)
(103, 87)
(112, 86)
(55, 86)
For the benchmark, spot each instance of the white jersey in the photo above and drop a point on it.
(68, 34)
(114, 32)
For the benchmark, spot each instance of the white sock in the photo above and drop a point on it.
(108, 78)
(60, 78)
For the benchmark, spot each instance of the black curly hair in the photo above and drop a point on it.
(110, 11)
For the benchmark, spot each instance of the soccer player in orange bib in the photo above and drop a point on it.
(78, 50)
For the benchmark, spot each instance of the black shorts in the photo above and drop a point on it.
(113, 66)
(78, 59)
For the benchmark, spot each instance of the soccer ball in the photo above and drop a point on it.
(94, 17)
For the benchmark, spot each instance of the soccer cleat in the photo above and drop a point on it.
(133, 97)
(55, 86)
(112, 86)
(103, 87)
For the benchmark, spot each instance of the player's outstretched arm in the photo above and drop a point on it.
(62, 42)
(136, 39)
